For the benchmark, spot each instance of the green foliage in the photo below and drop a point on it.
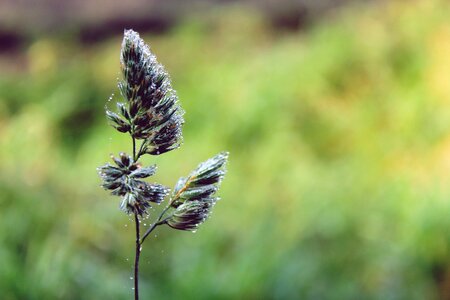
(339, 185)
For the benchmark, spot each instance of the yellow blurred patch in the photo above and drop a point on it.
(42, 57)
(441, 158)
(438, 73)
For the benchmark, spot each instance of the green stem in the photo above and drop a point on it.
(136, 259)
(140, 150)
(134, 149)
(157, 223)
(138, 241)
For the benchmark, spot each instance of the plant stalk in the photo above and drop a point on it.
(138, 241)
(136, 258)
(157, 223)
(134, 149)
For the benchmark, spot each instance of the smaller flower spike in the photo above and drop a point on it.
(193, 196)
(139, 201)
(124, 180)
(189, 215)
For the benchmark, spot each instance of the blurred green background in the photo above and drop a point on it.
(337, 120)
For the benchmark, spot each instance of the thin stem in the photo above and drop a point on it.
(136, 259)
(140, 150)
(138, 234)
(134, 149)
(152, 228)
(138, 154)
(138, 240)
(157, 223)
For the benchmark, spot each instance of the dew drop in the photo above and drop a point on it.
(131, 277)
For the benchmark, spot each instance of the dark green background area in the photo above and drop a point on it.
(339, 169)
